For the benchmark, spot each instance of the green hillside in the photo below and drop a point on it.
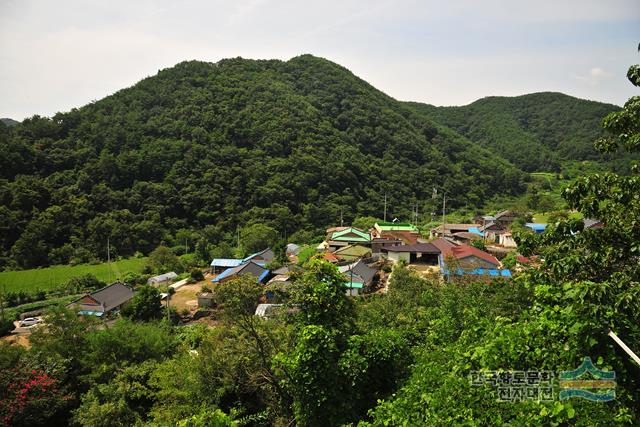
(535, 132)
(49, 278)
(288, 144)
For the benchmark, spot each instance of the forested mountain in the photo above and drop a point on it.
(288, 144)
(536, 132)
(9, 122)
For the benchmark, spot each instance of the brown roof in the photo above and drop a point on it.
(455, 227)
(407, 237)
(328, 256)
(443, 244)
(463, 251)
(105, 299)
(425, 248)
(466, 235)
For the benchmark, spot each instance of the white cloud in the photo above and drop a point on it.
(594, 76)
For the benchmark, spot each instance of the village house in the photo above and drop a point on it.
(352, 252)
(506, 239)
(407, 233)
(359, 277)
(103, 302)
(468, 258)
(251, 267)
(219, 265)
(505, 218)
(451, 229)
(349, 235)
(420, 253)
(378, 243)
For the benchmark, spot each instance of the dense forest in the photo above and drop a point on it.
(287, 144)
(536, 132)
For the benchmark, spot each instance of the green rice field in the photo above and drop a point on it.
(50, 277)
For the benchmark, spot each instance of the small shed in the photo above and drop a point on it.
(205, 299)
(162, 279)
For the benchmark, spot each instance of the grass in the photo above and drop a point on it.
(50, 277)
(13, 312)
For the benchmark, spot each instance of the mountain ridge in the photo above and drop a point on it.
(290, 144)
(536, 132)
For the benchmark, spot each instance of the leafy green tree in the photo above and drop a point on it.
(123, 401)
(256, 237)
(145, 304)
(207, 418)
(162, 260)
(364, 222)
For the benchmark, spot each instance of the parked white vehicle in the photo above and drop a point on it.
(29, 321)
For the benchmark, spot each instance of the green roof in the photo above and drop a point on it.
(396, 226)
(356, 285)
(354, 250)
(341, 235)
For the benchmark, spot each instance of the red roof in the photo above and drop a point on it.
(463, 251)
(328, 256)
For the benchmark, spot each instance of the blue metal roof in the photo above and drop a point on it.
(537, 227)
(231, 271)
(476, 230)
(226, 262)
(481, 272)
(222, 275)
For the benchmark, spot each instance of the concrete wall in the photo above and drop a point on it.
(395, 257)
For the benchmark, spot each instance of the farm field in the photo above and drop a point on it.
(48, 278)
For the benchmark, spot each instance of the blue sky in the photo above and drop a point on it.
(58, 55)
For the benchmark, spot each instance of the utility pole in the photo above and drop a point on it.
(4, 292)
(109, 259)
(444, 218)
(341, 222)
(385, 207)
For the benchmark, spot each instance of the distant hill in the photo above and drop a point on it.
(289, 144)
(536, 132)
(9, 122)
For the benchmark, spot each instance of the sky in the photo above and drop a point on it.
(57, 55)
